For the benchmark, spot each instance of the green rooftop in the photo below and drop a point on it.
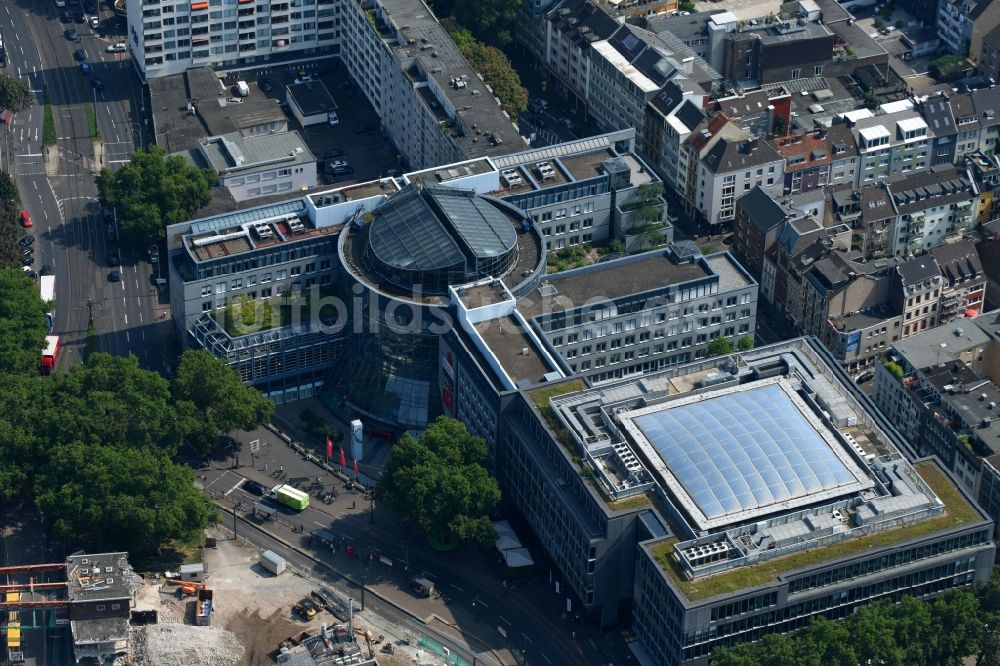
(958, 511)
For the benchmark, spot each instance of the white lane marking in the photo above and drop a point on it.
(30, 155)
(127, 337)
(123, 283)
(137, 284)
(119, 161)
(456, 587)
(545, 658)
(144, 336)
(319, 523)
(35, 183)
(225, 494)
(504, 620)
(140, 316)
(480, 602)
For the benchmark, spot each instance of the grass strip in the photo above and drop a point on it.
(48, 121)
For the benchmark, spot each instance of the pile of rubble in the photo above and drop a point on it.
(183, 645)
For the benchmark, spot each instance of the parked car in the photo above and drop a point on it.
(85, 67)
(115, 276)
(28, 260)
(26, 220)
(26, 250)
(332, 118)
(66, 17)
(30, 273)
(265, 86)
(118, 47)
(71, 34)
(254, 488)
(304, 78)
(26, 241)
(80, 55)
(97, 84)
(95, 22)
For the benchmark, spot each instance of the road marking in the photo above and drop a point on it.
(456, 587)
(119, 161)
(127, 337)
(503, 619)
(123, 283)
(226, 494)
(140, 316)
(480, 602)
(30, 155)
(35, 183)
(143, 333)
(319, 523)
(545, 658)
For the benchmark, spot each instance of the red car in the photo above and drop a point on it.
(26, 220)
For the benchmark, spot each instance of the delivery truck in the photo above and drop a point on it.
(290, 497)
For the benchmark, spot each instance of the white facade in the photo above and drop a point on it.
(891, 144)
(166, 37)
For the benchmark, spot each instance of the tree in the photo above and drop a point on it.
(719, 346)
(120, 499)
(212, 400)
(956, 627)
(10, 205)
(491, 21)
(15, 94)
(499, 75)
(22, 323)
(439, 483)
(152, 191)
(947, 68)
(745, 343)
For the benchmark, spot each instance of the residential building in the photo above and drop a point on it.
(570, 29)
(931, 207)
(986, 101)
(808, 160)
(258, 165)
(985, 170)
(917, 293)
(937, 112)
(963, 286)
(967, 125)
(835, 285)
(925, 11)
(786, 262)
(641, 514)
(671, 116)
(891, 144)
(755, 112)
(940, 388)
(759, 221)
(773, 51)
(988, 64)
(166, 38)
(433, 106)
(962, 24)
(723, 162)
(844, 155)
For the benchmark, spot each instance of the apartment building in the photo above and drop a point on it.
(843, 155)
(808, 160)
(167, 38)
(570, 30)
(963, 285)
(985, 170)
(917, 293)
(962, 24)
(723, 163)
(763, 112)
(258, 165)
(759, 221)
(931, 207)
(937, 111)
(940, 388)
(986, 101)
(891, 144)
(988, 64)
(601, 472)
(670, 119)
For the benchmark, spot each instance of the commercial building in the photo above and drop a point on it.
(101, 589)
(658, 495)
(258, 165)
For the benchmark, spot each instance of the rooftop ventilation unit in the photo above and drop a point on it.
(546, 171)
(511, 177)
(296, 226)
(263, 231)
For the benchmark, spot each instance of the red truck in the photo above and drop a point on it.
(51, 354)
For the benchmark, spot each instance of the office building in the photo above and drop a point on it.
(676, 498)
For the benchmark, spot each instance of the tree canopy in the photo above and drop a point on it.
(10, 230)
(719, 346)
(152, 191)
(212, 399)
(22, 323)
(499, 75)
(15, 94)
(490, 21)
(941, 632)
(439, 483)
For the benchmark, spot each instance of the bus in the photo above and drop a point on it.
(47, 289)
(13, 631)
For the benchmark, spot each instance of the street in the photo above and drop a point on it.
(475, 604)
(57, 187)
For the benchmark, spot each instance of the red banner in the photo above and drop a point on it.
(343, 458)
(329, 448)
(356, 466)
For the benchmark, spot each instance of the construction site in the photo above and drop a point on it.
(234, 608)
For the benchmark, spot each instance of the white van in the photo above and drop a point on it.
(332, 118)
(242, 89)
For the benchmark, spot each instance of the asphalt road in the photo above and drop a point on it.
(472, 591)
(57, 186)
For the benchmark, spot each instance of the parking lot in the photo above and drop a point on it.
(357, 139)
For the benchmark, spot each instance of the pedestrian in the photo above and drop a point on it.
(265, 467)
(354, 504)
(281, 469)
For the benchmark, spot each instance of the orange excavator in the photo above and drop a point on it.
(188, 588)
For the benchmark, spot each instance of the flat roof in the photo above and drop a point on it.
(621, 63)
(606, 281)
(99, 576)
(234, 153)
(514, 348)
(311, 97)
(744, 453)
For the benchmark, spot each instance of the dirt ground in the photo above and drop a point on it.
(256, 606)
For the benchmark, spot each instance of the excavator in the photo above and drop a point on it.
(188, 588)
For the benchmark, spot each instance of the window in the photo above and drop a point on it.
(265, 278)
(818, 70)
(282, 274)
